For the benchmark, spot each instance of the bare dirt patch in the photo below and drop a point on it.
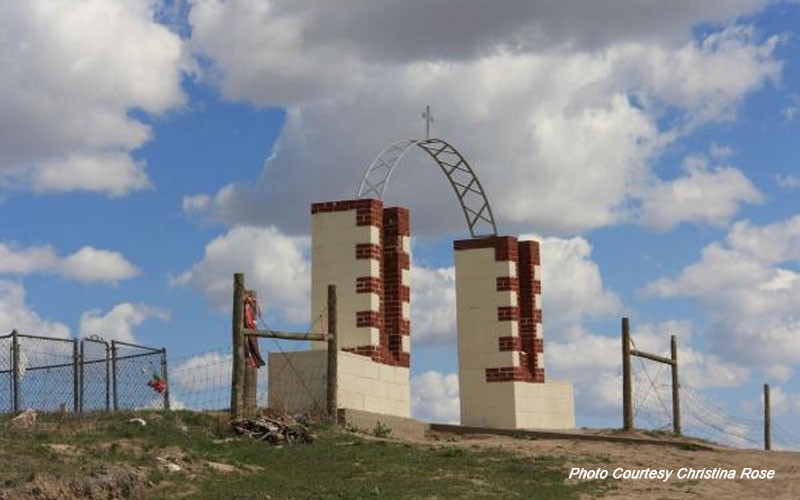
(610, 456)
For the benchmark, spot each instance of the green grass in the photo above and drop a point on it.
(338, 465)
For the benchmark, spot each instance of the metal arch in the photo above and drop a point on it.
(465, 183)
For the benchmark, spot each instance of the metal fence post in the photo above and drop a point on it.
(108, 377)
(76, 376)
(82, 393)
(15, 368)
(164, 376)
(114, 374)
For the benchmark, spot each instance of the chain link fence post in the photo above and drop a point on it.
(114, 373)
(77, 367)
(15, 368)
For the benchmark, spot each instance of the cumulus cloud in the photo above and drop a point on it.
(749, 289)
(703, 194)
(433, 304)
(536, 124)
(202, 372)
(72, 73)
(88, 264)
(593, 362)
(294, 41)
(119, 322)
(17, 314)
(788, 181)
(91, 264)
(115, 174)
(572, 286)
(275, 265)
(434, 397)
(573, 290)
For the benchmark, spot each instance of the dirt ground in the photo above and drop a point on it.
(610, 456)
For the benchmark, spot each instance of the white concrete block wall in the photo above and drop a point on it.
(363, 384)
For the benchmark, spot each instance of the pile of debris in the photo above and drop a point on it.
(273, 429)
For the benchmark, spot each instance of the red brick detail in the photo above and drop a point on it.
(529, 315)
(368, 212)
(368, 251)
(395, 293)
(368, 318)
(507, 313)
(369, 284)
(509, 343)
(507, 284)
(505, 247)
(509, 373)
(397, 218)
(379, 355)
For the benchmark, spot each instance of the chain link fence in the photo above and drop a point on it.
(80, 375)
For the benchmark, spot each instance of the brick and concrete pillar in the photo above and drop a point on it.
(499, 321)
(363, 249)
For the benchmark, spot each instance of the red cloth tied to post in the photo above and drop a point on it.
(251, 313)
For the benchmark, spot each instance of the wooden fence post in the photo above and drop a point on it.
(627, 402)
(676, 399)
(333, 358)
(767, 422)
(237, 368)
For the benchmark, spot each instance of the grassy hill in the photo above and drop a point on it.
(195, 455)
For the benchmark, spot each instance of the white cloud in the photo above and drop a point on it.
(16, 314)
(703, 194)
(781, 402)
(26, 260)
(302, 50)
(202, 372)
(88, 264)
(434, 397)
(536, 124)
(91, 264)
(773, 243)
(433, 304)
(788, 181)
(275, 265)
(593, 362)
(196, 204)
(72, 73)
(115, 174)
(748, 292)
(572, 287)
(118, 323)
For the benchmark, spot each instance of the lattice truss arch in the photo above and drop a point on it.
(465, 183)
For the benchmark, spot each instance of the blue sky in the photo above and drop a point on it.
(151, 149)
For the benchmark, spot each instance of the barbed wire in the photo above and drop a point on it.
(701, 415)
